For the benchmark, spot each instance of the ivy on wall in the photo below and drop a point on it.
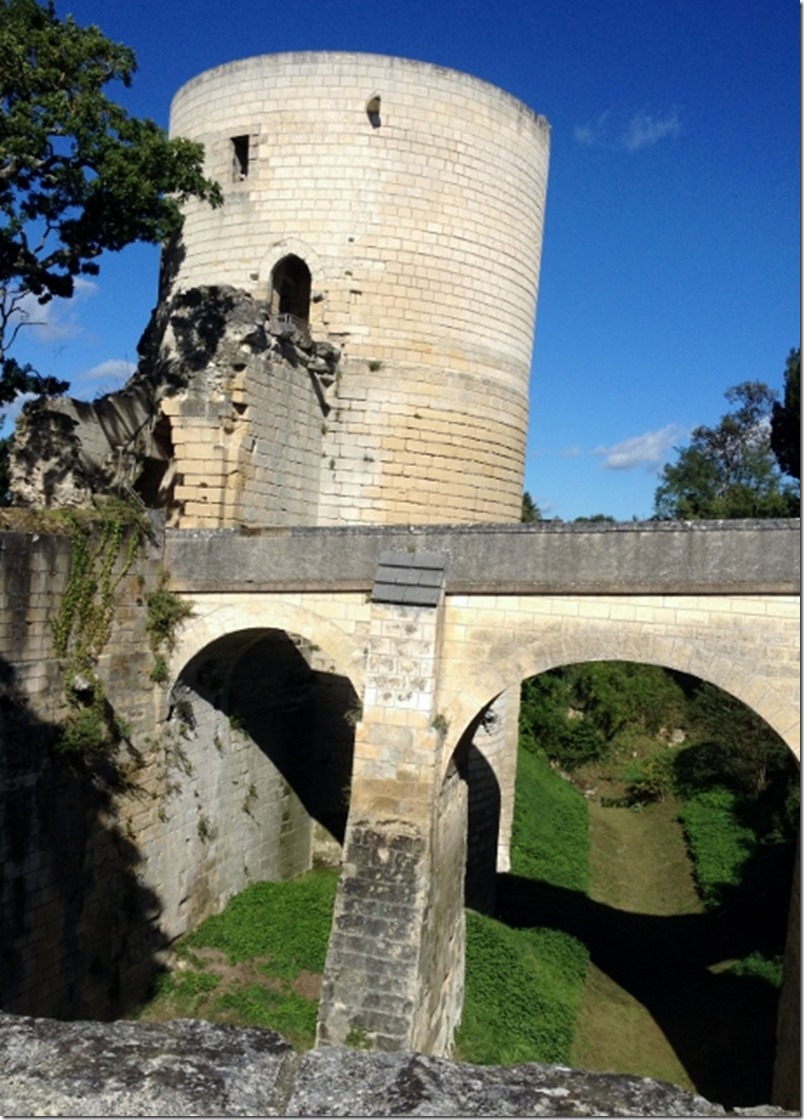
(105, 544)
(166, 612)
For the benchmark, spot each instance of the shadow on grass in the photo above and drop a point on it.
(722, 1027)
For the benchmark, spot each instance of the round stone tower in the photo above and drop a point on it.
(393, 209)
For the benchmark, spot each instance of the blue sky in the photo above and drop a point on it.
(671, 263)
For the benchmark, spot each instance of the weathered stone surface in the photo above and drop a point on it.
(190, 1068)
(546, 558)
(183, 1068)
(223, 414)
(337, 1082)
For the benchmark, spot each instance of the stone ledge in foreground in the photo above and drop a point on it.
(193, 1068)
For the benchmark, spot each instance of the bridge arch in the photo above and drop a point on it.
(518, 655)
(212, 620)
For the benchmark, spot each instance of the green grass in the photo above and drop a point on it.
(256, 963)
(550, 840)
(288, 922)
(523, 987)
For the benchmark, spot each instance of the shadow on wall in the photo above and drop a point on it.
(269, 685)
(483, 818)
(78, 933)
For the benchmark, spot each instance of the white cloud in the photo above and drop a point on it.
(645, 130)
(649, 450)
(59, 318)
(615, 131)
(593, 133)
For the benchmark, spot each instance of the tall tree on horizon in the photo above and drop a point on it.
(786, 419)
(729, 471)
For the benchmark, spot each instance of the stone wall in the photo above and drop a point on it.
(239, 772)
(222, 424)
(415, 202)
(78, 922)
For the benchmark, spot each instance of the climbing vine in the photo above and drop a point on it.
(166, 612)
(105, 545)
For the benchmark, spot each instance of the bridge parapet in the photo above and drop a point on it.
(700, 557)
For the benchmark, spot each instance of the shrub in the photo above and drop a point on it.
(760, 967)
(719, 844)
(651, 778)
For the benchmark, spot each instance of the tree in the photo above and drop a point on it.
(728, 471)
(786, 419)
(78, 175)
(530, 511)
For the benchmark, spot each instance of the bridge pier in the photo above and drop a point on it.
(394, 973)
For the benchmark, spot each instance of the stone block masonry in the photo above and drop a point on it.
(106, 857)
(413, 216)
(394, 973)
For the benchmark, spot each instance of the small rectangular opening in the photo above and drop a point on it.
(240, 157)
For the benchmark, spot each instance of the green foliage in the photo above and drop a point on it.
(738, 748)
(530, 511)
(159, 673)
(786, 419)
(288, 922)
(5, 456)
(719, 843)
(274, 930)
(550, 840)
(651, 777)
(523, 986)
(357, 1039)
(166, 612)
(606, 697)
(104, 548)
(523, 989)
(728, 471)
(758, 966)
(184, 988)
(283, 1010)
(616, 695)
(78, 175)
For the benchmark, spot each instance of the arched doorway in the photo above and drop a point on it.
(290, 290)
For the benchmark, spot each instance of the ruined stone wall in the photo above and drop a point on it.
(415, 197)
(244, 417)
(237, 773)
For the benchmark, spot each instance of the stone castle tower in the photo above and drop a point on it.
(386, 216)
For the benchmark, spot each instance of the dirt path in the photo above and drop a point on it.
(639, 866)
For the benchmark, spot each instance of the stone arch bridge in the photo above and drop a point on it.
(434, 628)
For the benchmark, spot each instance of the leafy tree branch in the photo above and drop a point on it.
(78, 175)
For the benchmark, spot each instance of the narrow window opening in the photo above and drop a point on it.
(290, 289)
(240, 157)
(373, 110)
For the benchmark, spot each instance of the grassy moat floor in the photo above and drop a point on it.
(629, 977)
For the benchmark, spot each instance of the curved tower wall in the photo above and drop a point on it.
(415, 196)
